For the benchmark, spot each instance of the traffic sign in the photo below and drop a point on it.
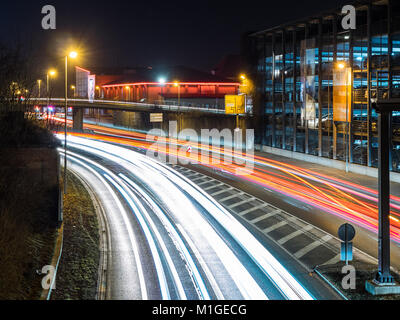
(346, 232)
(156, 117)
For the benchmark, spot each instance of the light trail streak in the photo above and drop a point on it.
(344, 199)
(283, 280)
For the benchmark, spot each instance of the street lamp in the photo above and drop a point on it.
(98, 88)
(73, 89)
(161, 81)
(129, 92)
(72, 55)
(39, 82)
(177, 85)
(49, 74)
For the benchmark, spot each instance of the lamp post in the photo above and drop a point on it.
(161, 81)
(177, 85)
(73, 90)
(72, 55)
(39, 82)
(129, 92)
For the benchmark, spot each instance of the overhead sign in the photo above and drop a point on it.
(235, 104)
(156, 117)
(342, 95)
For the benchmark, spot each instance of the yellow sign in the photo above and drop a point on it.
(342, 95)
(234, 104)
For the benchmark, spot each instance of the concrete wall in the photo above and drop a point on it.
(38, 164)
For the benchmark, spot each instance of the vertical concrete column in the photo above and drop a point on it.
(77, 119)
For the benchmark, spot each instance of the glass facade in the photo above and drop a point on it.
(307, 72)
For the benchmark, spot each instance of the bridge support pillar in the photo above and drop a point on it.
(77, 119)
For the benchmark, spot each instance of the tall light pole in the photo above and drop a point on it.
(39, 82)
(72, 55)
(161, 81)
(129, 92)
(177, 85)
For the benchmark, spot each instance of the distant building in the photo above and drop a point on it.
(168, 86)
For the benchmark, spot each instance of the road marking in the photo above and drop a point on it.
(312, 246)
(203, 264)
(275, 226)
(231, 196)
(198, 178)
(252, 209)
(190, 176)
(269, 214)
(295, 234)
(221, 191)
(204, 182)
(241, 202)
(213, 186)
(333, 260)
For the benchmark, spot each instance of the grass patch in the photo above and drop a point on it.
(78, 269)
(364, 272)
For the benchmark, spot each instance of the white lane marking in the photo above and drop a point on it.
(312, 246)
(275, 226)
(121, 209)
(295, 234)
(170, 228)
(231, 196)
(283, 280)
(260, 206)
(199, 179)
(241, 202)
(164, 249)
(111, 177)
(220, 191)
(203, 264)
(267, 215)
(213, 186)
(204, 182)
(333, 260)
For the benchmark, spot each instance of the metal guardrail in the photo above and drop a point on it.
(168, 107)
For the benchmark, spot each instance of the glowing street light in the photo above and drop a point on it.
(72, 55)
(177, 85)
(39, 82)
(129, 92)
(341, 65)
(162, 82)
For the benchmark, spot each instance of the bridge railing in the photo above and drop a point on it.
(163, 105)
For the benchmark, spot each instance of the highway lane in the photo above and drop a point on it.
(190, 246)
(323, 200)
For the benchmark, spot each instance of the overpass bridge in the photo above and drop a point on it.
(79, 105)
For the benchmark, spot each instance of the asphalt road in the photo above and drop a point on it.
(170, 240)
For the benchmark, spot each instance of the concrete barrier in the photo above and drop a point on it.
(337, 164)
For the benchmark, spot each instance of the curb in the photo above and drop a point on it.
(55, 261)
(104, 243)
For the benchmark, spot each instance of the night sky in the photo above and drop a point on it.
(143, 33)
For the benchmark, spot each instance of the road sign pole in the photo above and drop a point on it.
(383, 275)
